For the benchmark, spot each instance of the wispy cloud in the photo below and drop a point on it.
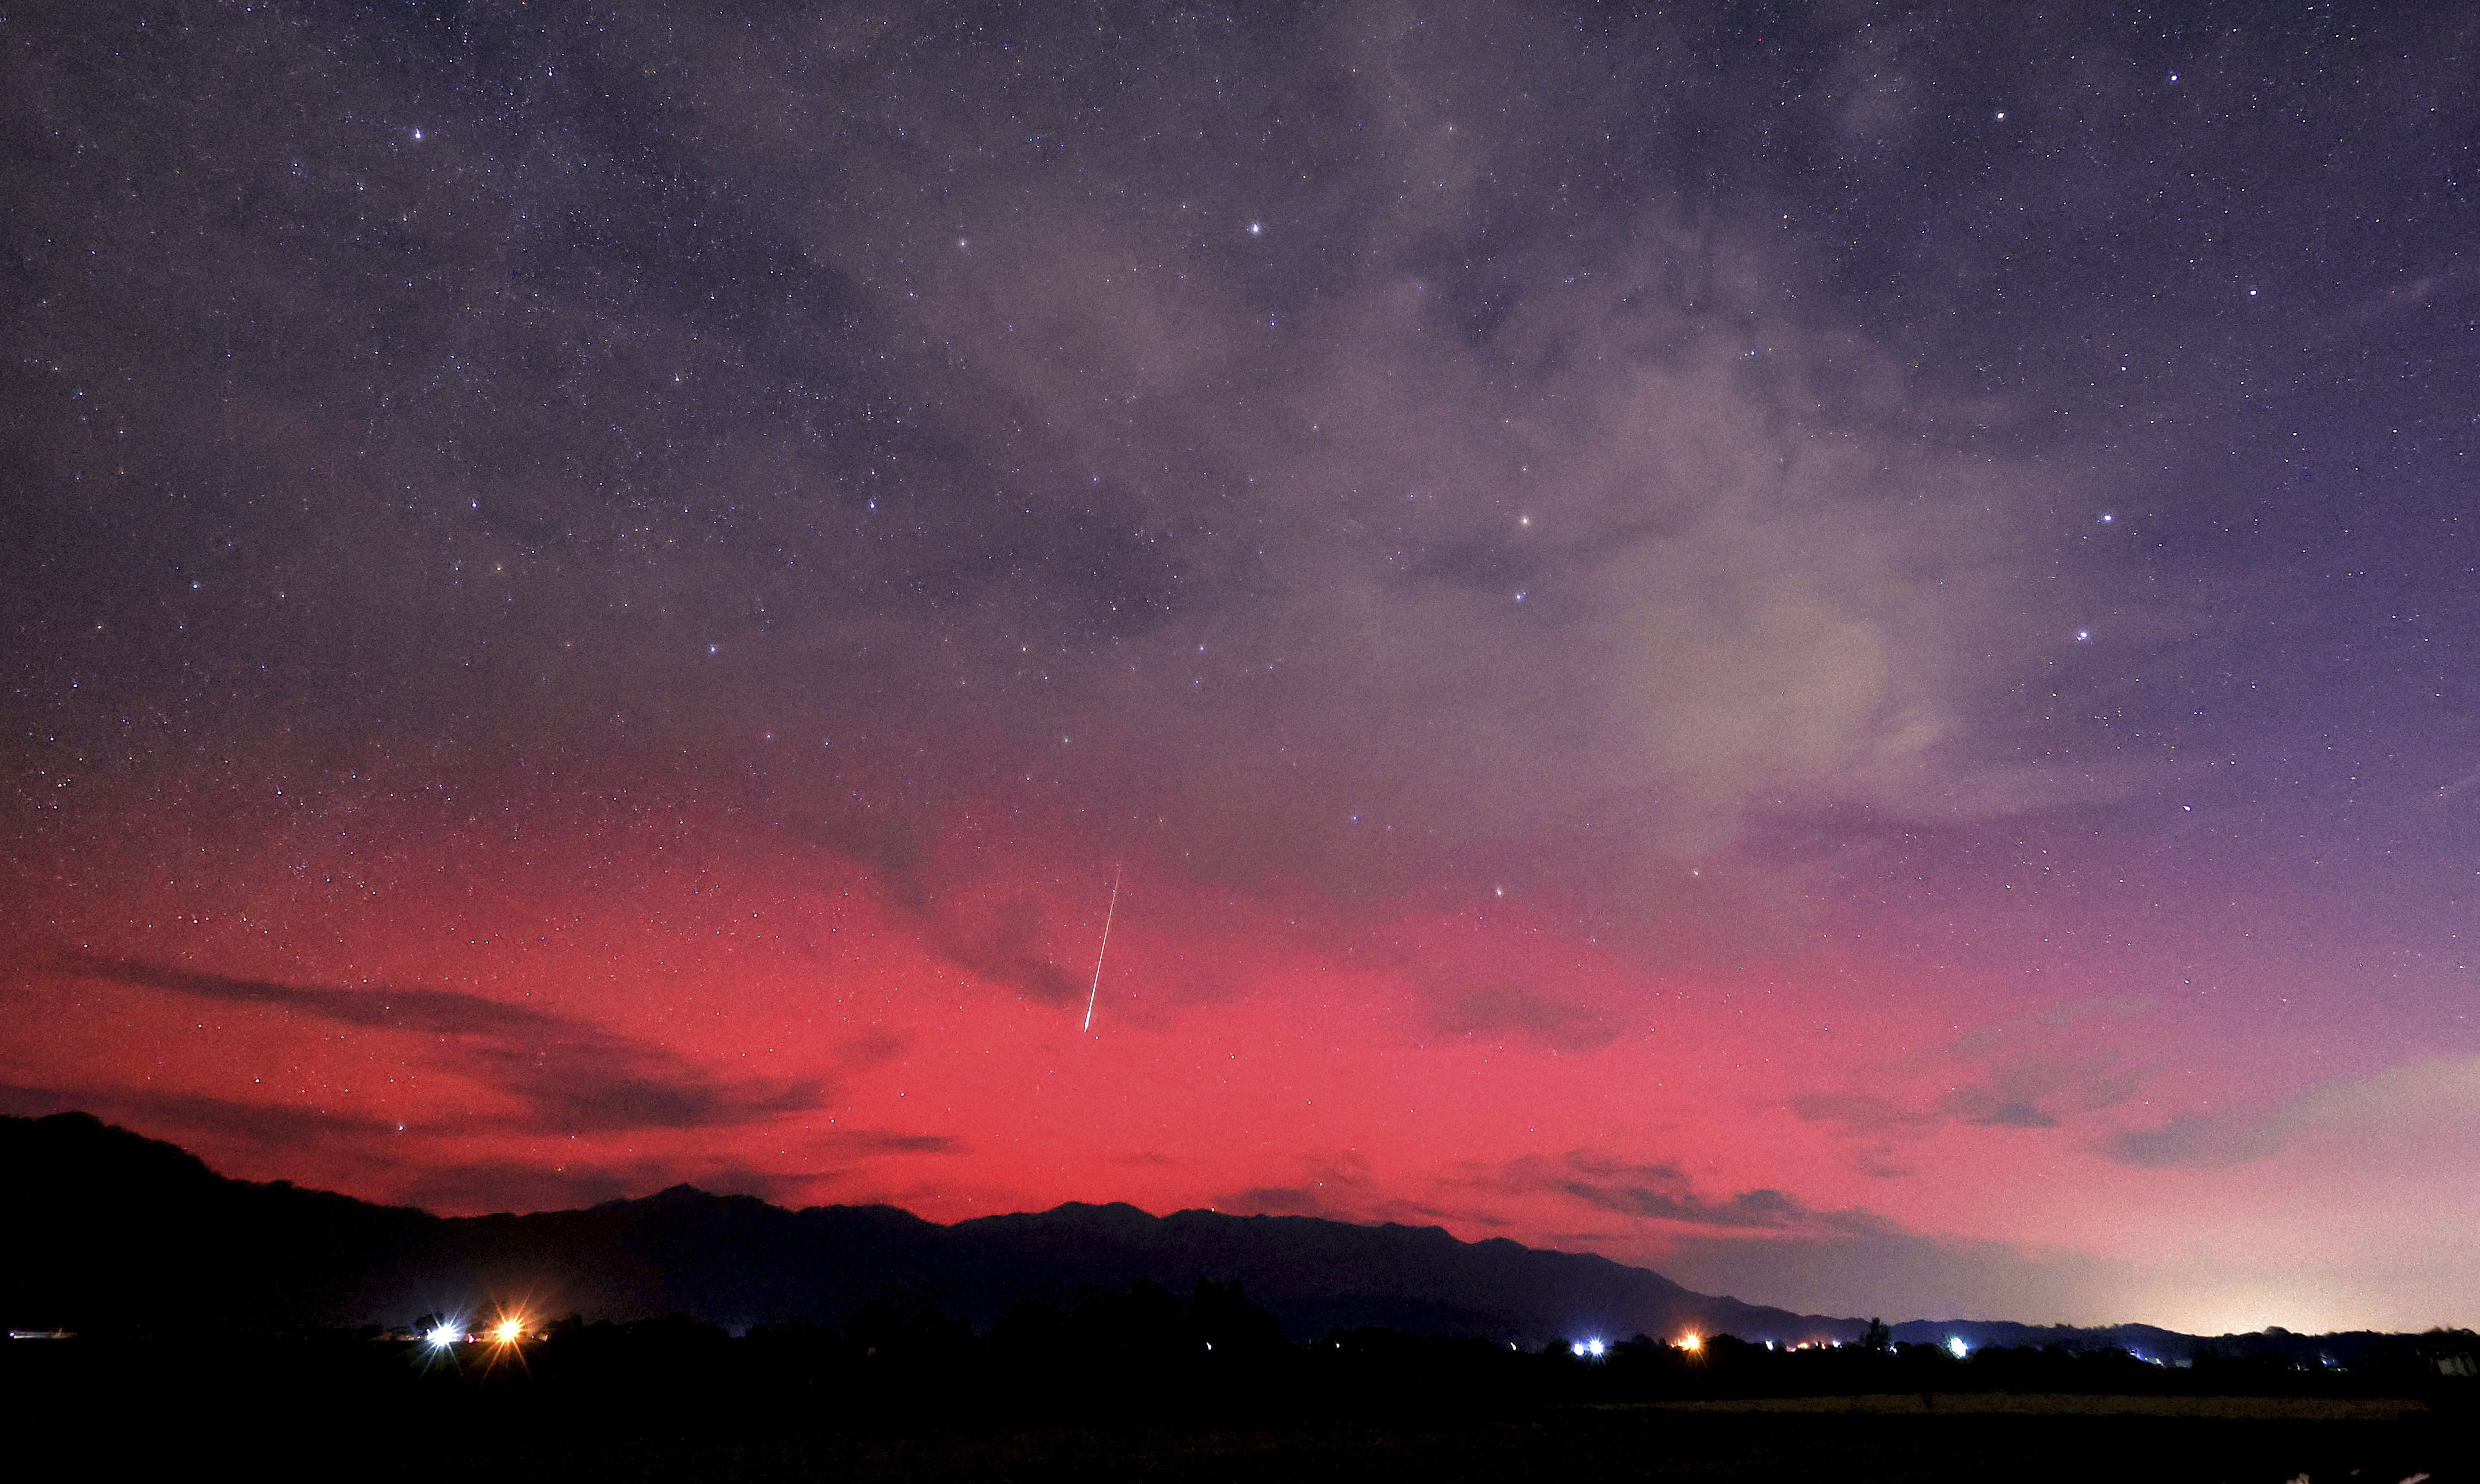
(2420, 1097)
(1499, 1008)
(1901, 1274)
(1342, 1186)
(1657, 1191)
(886, 1141)
(257, 1123)
(524, 1186)
(871, 1048)
(569, 1075)
(1004, 942)
(2027, 1072)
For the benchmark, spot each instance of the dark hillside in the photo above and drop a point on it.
(118, 1231)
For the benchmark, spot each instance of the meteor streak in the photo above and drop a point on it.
(1097, 990)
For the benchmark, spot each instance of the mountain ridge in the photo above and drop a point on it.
(102, 1254)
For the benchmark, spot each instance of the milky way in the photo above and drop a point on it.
(1832, 648)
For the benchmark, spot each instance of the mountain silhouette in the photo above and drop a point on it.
(118, 1231)
(115, 1232)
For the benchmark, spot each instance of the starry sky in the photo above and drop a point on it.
(1834, 648)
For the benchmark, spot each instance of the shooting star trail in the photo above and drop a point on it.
(1091, 994)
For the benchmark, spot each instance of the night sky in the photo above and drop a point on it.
(1832, 648)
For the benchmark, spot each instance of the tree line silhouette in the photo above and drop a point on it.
(1107, 1355)
(1101, 1363)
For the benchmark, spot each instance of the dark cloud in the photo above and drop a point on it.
(863, 1142)
(1990, 1109)
(1301, 1200)
(265, 1125)
(571, 1076)
(1657, 1192)
(1006, 942)
(512, 1185)
(1860, 1112)
(2433, 1101)
(431, 1011)
(1897, 1273)
(1762, 1245)
(2196, 1140)
(1766, 1246)
(522, 1186)
(1340, 1186)
(402, 1160)
(2022, 1072)
(870, 1049)
(1502, 1008)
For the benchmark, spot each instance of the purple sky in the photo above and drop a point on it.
(1830, 648)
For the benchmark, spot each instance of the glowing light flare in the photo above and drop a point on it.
(1692, 1343)
(1592, 1349)
(508, 1331)
(441, 1336)
(1955, 1346)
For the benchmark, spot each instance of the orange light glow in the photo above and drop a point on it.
(1692, 1344)
(508, 1332)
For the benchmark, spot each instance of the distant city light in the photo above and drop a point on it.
(1956, 1347)
(1590, 1347)
(1692, 1343)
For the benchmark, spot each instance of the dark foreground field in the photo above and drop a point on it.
(361, 1411)
(1565, 1444)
